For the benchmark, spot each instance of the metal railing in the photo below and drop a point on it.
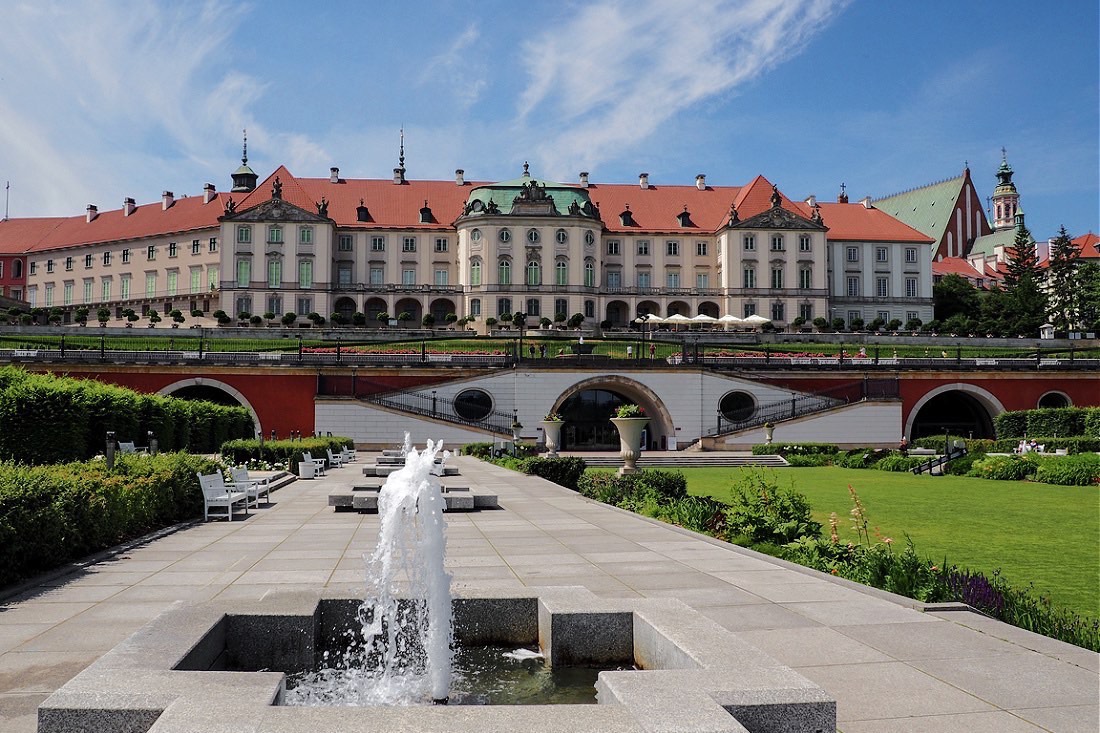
(807, 404)
(430, 405)
(937, 461)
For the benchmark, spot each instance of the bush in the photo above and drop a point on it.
(1092, 423)
(564, 471)
(812, 460)
(1011, 424)
(1004, 468)
(962, 466)
(286, 453)
(899, 463)
(1082, 470)
(50, 515)
(762, 512)
(660, 486)
(856, 458)
(786, 449)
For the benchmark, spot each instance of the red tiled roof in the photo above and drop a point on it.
(1089, 244)
(147, 220)
(20, 235)
(955, 266)
(855, 222)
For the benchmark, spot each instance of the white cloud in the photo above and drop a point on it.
(610, 77)
(457, 69)
(104, 100)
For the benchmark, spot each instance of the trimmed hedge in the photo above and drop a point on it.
(286, 453)
(785, 449)
(564, 470)
(813, 460)
(50, 515)
(1063, 422)
(611, 488)
(1079, 444)
(1004, 468)
(50, 419)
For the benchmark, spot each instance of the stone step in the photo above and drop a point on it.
(460, 499)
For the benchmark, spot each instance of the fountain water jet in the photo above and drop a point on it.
(403, 652)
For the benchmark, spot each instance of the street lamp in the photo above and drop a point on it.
(516, 427)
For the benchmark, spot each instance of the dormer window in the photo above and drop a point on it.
(684, 218)
(626, 218)
(426, 214)
(361, 212)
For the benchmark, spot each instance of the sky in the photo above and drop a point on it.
(105, 100)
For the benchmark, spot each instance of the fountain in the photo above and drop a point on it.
(368, 664)
(403, 655)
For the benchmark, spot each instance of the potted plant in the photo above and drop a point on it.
(551, 430)
(630, 420)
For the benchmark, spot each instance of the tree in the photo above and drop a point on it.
(857, 324)
(519, 320)
(428, 320)
(289, 318)
(154, 317)
(576, 320)
(177, 316)
(954, 294)
(358, 318)
(820, 323)
(994, 316)
(490, 322)
(1063, 282)
(82, 315)
(383, 317)
(404, 316)
(1026, 302)
(1089, 315)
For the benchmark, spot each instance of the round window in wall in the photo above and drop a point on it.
(589, 238)
(473, 404)
(1054, 400)
(475, 235)
(562, 236)
(737, 406)
(505, 235)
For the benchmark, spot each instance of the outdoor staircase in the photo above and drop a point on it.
(425, 404)
(685, 459)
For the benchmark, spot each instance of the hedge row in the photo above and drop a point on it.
(50, 419)
(798, 449)
(1008, 445)
(282, 454)
(1080, 470)
(1063, 422)
(50, 515)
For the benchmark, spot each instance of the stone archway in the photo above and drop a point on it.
(199, 384)
(660, 427)
(963, 409)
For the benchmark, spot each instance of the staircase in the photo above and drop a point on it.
(440, 408)
(693, 459)
(938, 462)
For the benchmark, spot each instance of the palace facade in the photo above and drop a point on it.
(609, 252)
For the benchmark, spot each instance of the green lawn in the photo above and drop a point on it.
(1039, 533)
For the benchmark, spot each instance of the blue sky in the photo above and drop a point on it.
(99, 101)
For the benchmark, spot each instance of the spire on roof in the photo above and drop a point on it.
(401, 151)
(842, 197)
(244, 178)
(526, 169)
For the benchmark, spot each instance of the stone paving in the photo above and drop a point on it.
(891, 665)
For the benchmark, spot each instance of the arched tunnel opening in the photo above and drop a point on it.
(206, 392)
(955, 412)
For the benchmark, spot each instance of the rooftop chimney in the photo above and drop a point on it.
(643, 180)
(584, 179)
(701, 182)
(866, 201)
(128, 206)
(93, 212)
(460, 177)
(334, 175)
(811, 201)
(208, 193)
(398, 176)
(167, 198)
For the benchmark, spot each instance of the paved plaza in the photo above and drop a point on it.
(891, 665)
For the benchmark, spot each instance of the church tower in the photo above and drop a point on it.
(1006, 201)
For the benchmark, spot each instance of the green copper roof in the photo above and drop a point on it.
(927, 209)
(1000, 238)
(503, 194)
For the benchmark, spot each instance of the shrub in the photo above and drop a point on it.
(962, 466)
(1082, 470)
(762, 512)
(1011, 424)
(1092, 422)
(899, 463)
(1004, 468)
(812, 460)
(666, 484)
(786, 449)
(52, 514)
(625, 491)
(856, 458)
(280, 452)
(564, 471)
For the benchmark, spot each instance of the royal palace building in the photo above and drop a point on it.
(395, 247)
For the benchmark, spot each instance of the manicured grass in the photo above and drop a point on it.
(1038, 533)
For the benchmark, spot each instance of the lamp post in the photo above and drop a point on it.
(152, 442)
(299, 347)
(516, 427)
(337, 349)
(433, 403)
(110, 450)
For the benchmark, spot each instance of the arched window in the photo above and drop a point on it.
(589, 274)
(504, 272)
(534, 273)
(475, 272)
(17, 269)
(561, 272)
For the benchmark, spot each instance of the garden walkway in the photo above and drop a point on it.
(891, 666)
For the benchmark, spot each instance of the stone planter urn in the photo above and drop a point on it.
(551, 431)
(630, 438)
(769, 430)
